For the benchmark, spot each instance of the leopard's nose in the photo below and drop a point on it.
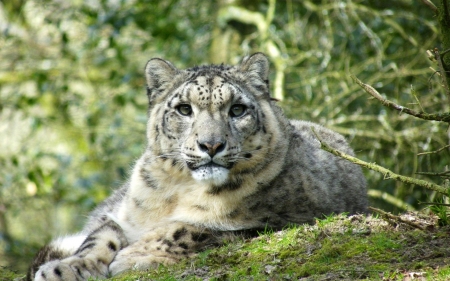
(212, 148)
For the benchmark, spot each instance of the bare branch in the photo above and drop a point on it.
(397, 218)
(435, 204)
(444, 117)
(432, 152)
(442, 70)
(445, 174)
(388, 174)
(431, 6)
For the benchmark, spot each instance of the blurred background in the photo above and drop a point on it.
(73, 101)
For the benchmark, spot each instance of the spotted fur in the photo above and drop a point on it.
(221, 161)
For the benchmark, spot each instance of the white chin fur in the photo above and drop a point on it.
(214, 175)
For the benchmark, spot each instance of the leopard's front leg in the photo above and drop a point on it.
(90, 260)
(166, 244)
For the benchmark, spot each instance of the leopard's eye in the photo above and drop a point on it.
(237, 110)
(184, 109)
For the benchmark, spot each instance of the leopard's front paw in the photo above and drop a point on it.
(71, 269)
(129, 260)
(55, 271)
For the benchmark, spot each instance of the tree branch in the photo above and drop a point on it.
(388, 174)
(442, 71)
(435, 204)
(444, 25)
(444, 117)
(436, 151)
(445, 174)
(431, 6)
(397, 218)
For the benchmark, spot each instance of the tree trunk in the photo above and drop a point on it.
(444, 24)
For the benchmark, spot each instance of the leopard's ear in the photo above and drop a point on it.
(159, 72)
(255, 70)
(256, 65)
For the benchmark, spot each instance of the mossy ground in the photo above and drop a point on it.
(336, 248)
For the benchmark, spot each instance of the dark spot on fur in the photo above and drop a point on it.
(230, 186)
(90, 238)
(170, 200)
(148, 179)
(113, 226)
(112, 246)
(283, 214)
(254, 206)
(79, 271)
(83, 265)
(199, 237)
(260, 88)
(58, 272)
(183, 245)
(248, 155)
(167, 242)
(137, 202)
(233, 214)
(179, 233)
(201, 208)
(85, 246)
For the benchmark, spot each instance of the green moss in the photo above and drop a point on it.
(289, 253)
(334, 246)
(443, 272)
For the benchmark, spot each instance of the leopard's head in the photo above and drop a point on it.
(217, 123)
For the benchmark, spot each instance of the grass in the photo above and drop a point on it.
(335, 248)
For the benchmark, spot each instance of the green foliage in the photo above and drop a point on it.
(73, 103)
(381, 48)
(442, 212)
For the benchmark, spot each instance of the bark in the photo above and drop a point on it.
(444, 25)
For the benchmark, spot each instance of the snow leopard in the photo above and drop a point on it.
(222, 161)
